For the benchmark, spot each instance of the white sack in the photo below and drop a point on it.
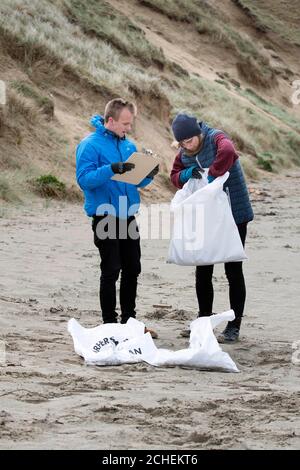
(204, 230)
(113, 343)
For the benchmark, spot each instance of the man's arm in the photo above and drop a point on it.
(176, 170)
(225, 158)
(149, 178)
(144, 182)
(88, 174)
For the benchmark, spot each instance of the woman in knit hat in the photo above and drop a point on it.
(201, 147)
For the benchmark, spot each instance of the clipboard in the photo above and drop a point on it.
(143, 165)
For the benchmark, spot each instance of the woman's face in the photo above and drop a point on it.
(190, 144)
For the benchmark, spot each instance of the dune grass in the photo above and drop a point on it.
(7, 193)
(44, 103)
(49, 186)
(19, 108)
(101, 20)
(179, 10)
(271, 108)
(280, 17)
(41, 30)
(63, 31)
(252, 64)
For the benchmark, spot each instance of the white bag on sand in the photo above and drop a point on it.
(113, 344)
(204, 229)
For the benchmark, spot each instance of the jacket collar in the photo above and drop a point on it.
(98, 122)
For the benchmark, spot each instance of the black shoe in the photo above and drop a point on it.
(230, 334)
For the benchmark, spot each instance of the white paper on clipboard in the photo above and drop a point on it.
(143, 165)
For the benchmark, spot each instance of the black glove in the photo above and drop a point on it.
(153, 172)
(122, 167)
(196, 173)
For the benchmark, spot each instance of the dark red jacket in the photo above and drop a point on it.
(225, 158)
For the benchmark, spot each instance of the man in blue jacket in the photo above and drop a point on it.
(112, 205)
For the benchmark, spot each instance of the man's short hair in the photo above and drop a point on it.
(115, 106)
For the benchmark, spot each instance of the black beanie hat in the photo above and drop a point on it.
(185, 127)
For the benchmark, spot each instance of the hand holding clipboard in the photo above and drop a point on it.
(143, 165)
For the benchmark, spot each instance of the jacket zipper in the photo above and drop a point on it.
(118, 142)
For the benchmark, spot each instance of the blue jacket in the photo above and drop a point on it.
(94, 156)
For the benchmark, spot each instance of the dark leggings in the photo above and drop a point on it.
(235, 276)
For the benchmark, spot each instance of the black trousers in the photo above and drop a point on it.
(235, 276)
(119, 251)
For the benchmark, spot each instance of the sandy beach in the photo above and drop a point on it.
(51, 400)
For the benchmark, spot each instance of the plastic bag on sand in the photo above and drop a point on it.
(113, 343)
(204, 229)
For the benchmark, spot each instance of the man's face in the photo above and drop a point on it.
(123, 124)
